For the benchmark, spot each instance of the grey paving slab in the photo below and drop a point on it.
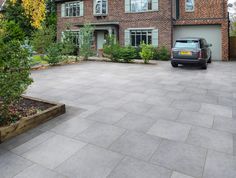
(159, 112)
(136, 122)
(170, 130)
(21, 139)
(100, 134)
(132, 168)
(219, 165)
(159, 100)
(179, 175)
(212, 139)
(137, 145)
(186, 105)
(234, 136)
(225, 124)
(196, 118)
(36, 171)
(32, 143)
(11, 164)
(217, 110)
(72, 127)
(107, 115)
(54, 151)
(181, 157)
(90, 162)
(136, 107)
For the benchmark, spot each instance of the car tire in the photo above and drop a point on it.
(204, 66)
(174, 64)
(209, 61)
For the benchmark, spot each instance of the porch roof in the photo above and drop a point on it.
(100, 24)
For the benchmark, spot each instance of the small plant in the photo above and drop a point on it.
(112, 49)
(85, 36)
(163, 54)
(68, 46)
(54, 54)
(146, 53)
(14, 77)
(128, 54)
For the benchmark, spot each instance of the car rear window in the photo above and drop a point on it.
(187, 44)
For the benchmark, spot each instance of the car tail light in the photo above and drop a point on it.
(200, 54)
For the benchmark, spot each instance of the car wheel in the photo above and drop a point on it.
(174, 64)
(209, 61)
(204, 66)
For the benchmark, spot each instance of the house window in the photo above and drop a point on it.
(100, 7)
(189, 5)
(72, 36)
(140, 5)
(139, 36)
(73, 9)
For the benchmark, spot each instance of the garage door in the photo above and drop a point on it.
(212, 33)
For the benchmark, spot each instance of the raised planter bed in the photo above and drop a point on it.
(26, 123)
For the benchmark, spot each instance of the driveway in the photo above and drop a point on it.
(130, 121)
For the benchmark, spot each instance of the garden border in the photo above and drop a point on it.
(27, 123)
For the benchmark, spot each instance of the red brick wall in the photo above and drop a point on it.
(205, 9)
(160, 19)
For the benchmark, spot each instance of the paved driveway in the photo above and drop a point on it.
(130, 121)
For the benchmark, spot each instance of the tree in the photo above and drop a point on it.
(85, 39)
(15, 12)
(35, 10)
(51, 15)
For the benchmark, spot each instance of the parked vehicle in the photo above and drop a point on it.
(191, 51)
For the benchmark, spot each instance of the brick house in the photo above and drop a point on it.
(158, 22)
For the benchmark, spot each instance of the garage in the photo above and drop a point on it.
(212, 33)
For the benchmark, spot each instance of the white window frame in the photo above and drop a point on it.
(186, 6)
(67, 8)
(141, 3)
(148, 34)
(101, 8)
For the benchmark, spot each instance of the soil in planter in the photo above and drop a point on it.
(24, 108)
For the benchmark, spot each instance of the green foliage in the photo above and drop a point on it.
(86, 34)
(12, 31)
(128, 54)
(51, 15)
(68, 46)
(54, 53)
(112, 49)
(15, 12)
(233, 32)
(43, 38)
(146, 53)
(163, 53)
(14, 76)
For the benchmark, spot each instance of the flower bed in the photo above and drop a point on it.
(33, 112)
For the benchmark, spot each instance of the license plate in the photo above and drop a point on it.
(187, 53)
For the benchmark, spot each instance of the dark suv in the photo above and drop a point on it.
(191, 51)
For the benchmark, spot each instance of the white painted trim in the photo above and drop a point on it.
(149, 28)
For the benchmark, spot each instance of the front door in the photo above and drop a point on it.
(100, 39)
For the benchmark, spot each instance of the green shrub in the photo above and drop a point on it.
(43, 38)
(85, 36)
(113, 52)
(128, 54)
(14, 76)
(146, 52)
(163, 53)
(54, 54)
